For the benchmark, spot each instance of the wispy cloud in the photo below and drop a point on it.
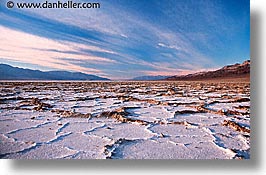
(19, 46)
(170, 37)
(169, 46)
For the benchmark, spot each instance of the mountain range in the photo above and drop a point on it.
(149, 78)
(230, 71)
(8, 72)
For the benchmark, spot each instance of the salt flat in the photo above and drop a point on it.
(125, 120)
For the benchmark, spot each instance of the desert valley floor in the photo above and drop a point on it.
(125, 120)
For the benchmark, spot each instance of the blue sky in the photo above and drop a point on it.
(128, 38)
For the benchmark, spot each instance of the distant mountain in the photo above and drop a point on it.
(8, 72)
(147, 78)
(230, 71)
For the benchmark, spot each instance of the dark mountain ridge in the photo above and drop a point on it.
(230, 71)
(8, 72)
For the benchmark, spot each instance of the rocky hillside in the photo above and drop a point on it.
(230, 71)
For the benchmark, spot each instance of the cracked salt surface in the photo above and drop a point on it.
(124, 120)
(150, 149)
(123, 130)
(45, 151)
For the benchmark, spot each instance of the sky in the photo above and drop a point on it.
(127, 38)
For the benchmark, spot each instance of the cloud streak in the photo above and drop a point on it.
(170, 37)
(23, 47)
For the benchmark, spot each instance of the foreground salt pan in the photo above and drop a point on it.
(125, 120)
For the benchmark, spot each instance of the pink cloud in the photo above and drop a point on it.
(27, 48)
